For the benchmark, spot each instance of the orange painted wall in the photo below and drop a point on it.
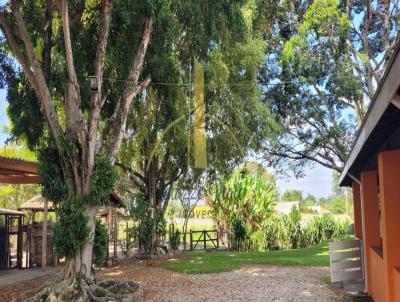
(370, 220)
(379, 288)
(357, 210)
(396, 284)
(389, 178)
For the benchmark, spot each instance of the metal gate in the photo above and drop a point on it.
(204, 237)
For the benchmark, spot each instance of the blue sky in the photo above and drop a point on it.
(3, 116)
(317, 180)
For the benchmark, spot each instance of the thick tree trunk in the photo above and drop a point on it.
(86, 253)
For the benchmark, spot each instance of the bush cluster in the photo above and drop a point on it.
(175, 240)
(286, 232)
(71, 231)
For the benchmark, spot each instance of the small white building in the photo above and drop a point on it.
(316, 209)
(284, 207)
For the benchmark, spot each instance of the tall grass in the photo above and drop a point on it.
(285, 232)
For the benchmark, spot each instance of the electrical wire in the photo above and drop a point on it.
(244, 83)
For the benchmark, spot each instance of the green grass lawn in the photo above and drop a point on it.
(215, 262)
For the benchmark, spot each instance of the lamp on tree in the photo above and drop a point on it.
(94, 85)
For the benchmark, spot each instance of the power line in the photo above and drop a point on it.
(243, 83)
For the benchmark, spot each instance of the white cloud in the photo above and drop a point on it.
(317, 181)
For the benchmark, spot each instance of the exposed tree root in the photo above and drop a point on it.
(82, 290)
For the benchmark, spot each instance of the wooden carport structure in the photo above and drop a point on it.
(18, 171)
(14, 171)
(373, 171)
(38, 204)
(7, 228)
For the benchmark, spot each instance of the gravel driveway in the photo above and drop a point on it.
(250, 283)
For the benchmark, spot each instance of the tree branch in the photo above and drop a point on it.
(75, 121)
(97, 101)
(63, 7)
(46, 53)
(301, 156)
(131, 171)
(132, 88)
(31, 67)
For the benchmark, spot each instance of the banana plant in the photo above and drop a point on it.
(248, 197)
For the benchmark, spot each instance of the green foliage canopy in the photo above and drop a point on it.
(292, 195)
(324, 60)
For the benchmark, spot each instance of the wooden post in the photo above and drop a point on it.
(115, 234)
(44, 234)
(126, 236)
(370, 222)
(19, 242)
(389, 175)
(55, 258)
(357, 210)
(109, 231)
(204, 239)
(7, 241)
(28, 244)
(191, 240)
(217, 239)
(32, 252)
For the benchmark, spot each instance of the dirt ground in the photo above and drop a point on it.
(250, 283)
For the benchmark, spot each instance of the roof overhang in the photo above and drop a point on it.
(378, 123)
(18, 171)
(10, 212)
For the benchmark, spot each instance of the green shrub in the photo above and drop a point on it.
(175, 240)
(100, 244)
(103, 181)
(258, 241)
(341, 228)
(129, 242)
(285, 232)
(71, 230)
(320, 228)
(294, 228)
(274, 230)
(239, 233)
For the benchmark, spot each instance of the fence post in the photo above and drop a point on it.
(204, 239)
(191, 240)
(217, 239)
(171, 234)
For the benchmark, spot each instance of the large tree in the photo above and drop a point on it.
(161, 151)
(50, 50)
(324, 62)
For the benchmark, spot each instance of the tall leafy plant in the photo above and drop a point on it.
(245, 197)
